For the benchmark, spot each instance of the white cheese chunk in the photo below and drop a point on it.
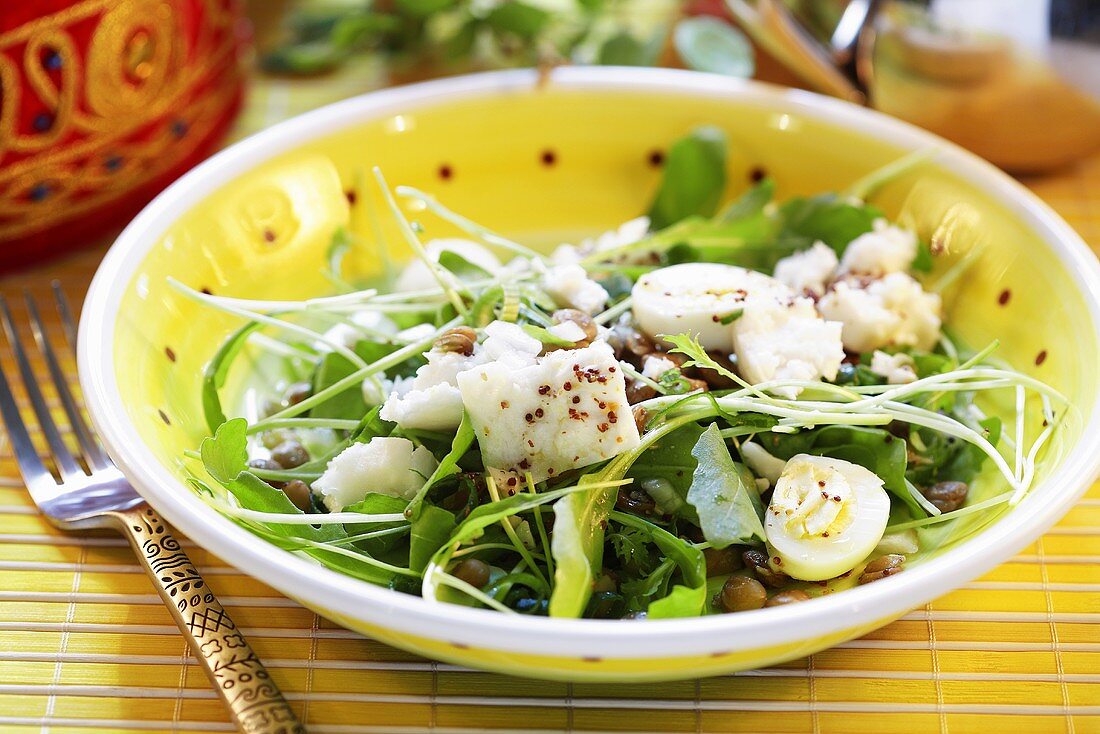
(567, 410)
(808, 271)
(885, 249)
(416, 275)
(390, 466)
(898, 369)
(570, 331)
(655, 365)
(570, 287)
(889, 311)
(786, 340)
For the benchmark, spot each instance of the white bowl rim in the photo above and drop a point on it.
(591, 639)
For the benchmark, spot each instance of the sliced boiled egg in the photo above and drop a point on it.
(702, 299)
(826, 516)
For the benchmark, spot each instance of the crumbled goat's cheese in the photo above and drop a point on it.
(384, 465)
(808, 271)
(889, 311)
(886, 249)
(570, 287)
(898, 369)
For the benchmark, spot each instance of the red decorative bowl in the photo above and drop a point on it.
(102, 104)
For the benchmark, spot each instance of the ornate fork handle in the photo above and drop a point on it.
(254, 701)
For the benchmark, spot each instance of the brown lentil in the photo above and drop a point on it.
(636, 501)
(741, 594)
(637, 391)
(474, 572)
(298, 493)
(722, 561)
(760, 565)
(790, 596)
(641, 417)
(882, 567)
(946, 496)
(460, 340)
(289, 454)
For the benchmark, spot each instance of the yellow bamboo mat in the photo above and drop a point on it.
(85, 643)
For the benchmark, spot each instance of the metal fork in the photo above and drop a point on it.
(88, 491)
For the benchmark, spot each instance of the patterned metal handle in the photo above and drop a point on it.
(254, 701)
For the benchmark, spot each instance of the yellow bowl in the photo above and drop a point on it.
(547, 162)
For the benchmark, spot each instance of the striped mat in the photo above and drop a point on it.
(86, 644)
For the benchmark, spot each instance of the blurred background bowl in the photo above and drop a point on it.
(101, 105)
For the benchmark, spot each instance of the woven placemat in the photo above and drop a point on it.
(85, 642)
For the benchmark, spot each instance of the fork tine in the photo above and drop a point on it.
(66, 464)
(68, 325)
(93, 454)
(26, 455)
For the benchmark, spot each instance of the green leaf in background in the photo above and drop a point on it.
(751, 203)
(577, 546)
(462, 268)
(728, 504)
(216, 372)
(518, 19)
(349, 404)
(828, 218)
(624, 49)
(694, 178)
(424, 8)
(705, 43)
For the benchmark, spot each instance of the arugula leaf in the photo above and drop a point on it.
(577, 546)
(544, 336)
(751, 203)
(671, 460)
(349, 404)
(706, 43)
(828, 218)
(431, 528)
(225, 456)
(376, 504)
(872, 448)
(694, 178)
(684, 600)
(462, 268)
(460, 444)
(216, 372)
(729, 507)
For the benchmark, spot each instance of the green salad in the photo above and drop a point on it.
(716, 407)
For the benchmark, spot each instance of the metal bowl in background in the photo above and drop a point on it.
(1016, 81)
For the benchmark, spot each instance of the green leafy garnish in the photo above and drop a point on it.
(723, 495)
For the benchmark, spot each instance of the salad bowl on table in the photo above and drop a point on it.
(547, 163)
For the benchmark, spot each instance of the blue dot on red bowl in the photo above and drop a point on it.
(179, 128)
(51, 59)
(39, 191)
(43, 121)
